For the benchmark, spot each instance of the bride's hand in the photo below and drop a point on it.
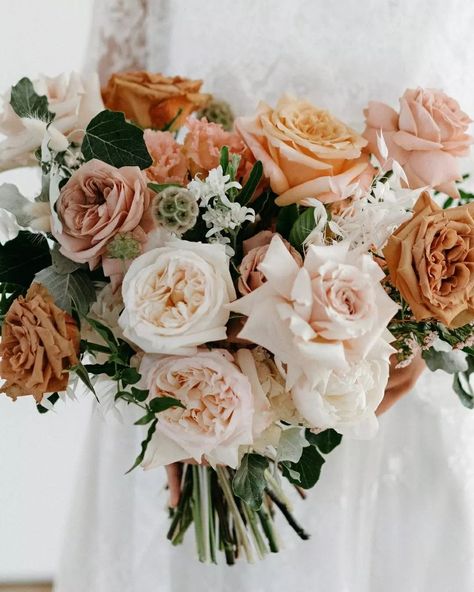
(400, 382)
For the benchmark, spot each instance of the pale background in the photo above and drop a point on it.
(38, 454)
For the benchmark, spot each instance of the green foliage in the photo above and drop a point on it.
(158, 187)
(250, 187)
(144, 446)
(110, 138)
(25, 101)
(450, 361)
(224, 160)
(249, 481)
(308, 468)
(53, 399)
(462, 386)
(301, 228)
(23, 257)
(159, 404)
(83, 375)
(71, 291)
(325, 441)
(287, 216)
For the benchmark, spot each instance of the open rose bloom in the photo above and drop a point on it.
(239, 293)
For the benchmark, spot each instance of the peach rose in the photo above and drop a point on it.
(153, 100)
(424, 138)
(98, 203)
(431, 262)
(203, 144)
(169, 163)
(40, 342)
(255, 250)
(305, 151)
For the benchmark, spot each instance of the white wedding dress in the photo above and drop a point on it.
(395, 514)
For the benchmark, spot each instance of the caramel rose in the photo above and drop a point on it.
(40, 342)
(431, 262)
(153, 100)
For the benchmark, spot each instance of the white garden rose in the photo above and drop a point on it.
(324, 314)
(346, 400)
(218, 410)
(74, 100)
(175, 297)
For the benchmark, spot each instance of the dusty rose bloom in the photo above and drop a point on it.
(255, 249)
(40, 342)
(203, 143)
(425, 137)
(169, 163)
(97, 203)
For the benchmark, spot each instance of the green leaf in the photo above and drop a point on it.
(249, 481)
(159, 404)
(308, 467)
(129, 376)
(224, 160)
(107, 368)
(291, 444)
(53, 399)
(144, 446)
(450, 361)
(249, 188)
(69, 290)
(25, 101)
(110, 138)
(61, 263)
(146, 419)
(23, 257)
(159, 187)
(287, 216)
(140, 395)
(463, 390)
(304, 224)
(13, 201)
(106, 334)
(171, 123)
(83, 375)
(326, 441)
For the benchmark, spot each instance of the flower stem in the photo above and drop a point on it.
(288, 515)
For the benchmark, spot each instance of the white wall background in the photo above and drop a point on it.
(38, 454)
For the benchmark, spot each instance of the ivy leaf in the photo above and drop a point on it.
(448, 361)
(110, 138)
(308, 467)
(462, 385)
(326, 441)
(23, 257)
(26, 102)
(144, 446)
(159, 404)
(249, 480)
(69, 290)
(252, 183)
(291, 444)
(304, 224)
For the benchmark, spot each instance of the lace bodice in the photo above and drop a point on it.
(338, 54)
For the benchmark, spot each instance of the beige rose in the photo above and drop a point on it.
(431, 262)
(153, 100)
(305, 151)
(255, 249)
(40, 342)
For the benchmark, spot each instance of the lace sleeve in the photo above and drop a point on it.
(118, 39)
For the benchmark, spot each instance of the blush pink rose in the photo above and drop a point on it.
(305, 151)
(98, 203)
(255, 250)
(169, 163)
(203, 144)
(425, 137)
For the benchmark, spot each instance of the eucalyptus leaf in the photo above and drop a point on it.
(110, 138)
(23, 257)
(14, 202)
(303, 226)
(448, 361)
(62, 264)
(249, 481)
(26, 102)
(69, 290)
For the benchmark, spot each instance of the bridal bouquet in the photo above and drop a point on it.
(241, 285)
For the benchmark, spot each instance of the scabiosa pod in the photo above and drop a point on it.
(176, 209)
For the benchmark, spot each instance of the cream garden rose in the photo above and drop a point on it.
(324, 315)
(305, 151)
(74, 100)
(175, 297)
(346, 400)
(217, 414)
